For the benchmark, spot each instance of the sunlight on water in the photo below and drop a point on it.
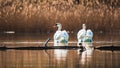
(9, 32)
(53, 42)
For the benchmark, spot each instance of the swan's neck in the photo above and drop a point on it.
(84, 27)
(59, 28)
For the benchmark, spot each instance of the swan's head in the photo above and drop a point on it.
(59, 26)
(83, 26)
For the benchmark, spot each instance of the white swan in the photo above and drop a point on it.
(81, 34)
(84, 36)
(60, 37)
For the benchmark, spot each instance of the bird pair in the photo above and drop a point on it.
(61, 36)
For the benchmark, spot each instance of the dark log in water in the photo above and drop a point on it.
(40, 47)
(111, 48)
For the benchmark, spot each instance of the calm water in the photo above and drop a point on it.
(57, 58)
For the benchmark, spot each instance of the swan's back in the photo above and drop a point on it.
(65, 34)
(61, 37)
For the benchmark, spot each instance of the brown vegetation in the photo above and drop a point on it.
(41, 15)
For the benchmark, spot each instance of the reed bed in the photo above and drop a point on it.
(41, 15)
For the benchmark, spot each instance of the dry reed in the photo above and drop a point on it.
(41, 15)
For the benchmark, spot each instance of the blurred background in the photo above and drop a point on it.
(39, 16)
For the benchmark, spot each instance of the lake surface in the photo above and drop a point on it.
(58, 58)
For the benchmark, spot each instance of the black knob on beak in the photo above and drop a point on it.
(56, 24)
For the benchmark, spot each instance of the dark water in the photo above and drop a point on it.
(57, 58)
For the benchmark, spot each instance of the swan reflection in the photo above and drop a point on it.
(60, 54)
(86, 54)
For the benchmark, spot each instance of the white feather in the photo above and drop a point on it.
(60, 36)
(81, 35)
